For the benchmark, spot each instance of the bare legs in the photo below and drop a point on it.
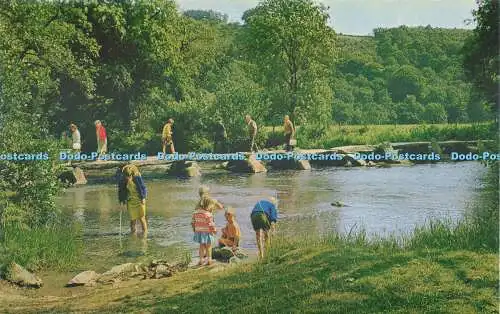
(205, 250)
(144, 225)
(170, 146)
(262, 242)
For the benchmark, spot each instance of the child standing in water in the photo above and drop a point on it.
(132, 191)
(204, 230)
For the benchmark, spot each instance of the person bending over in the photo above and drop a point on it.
(264, 217)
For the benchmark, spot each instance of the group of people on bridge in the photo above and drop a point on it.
(132, 192)
(167, 140)
(75, 138)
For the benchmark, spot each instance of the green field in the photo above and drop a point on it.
(340, 135)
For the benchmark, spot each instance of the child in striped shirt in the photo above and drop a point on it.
(204, 230)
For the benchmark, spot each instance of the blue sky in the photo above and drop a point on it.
(360, 17)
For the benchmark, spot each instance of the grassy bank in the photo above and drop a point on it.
(440, 268)
(55, 248)
(340, 135)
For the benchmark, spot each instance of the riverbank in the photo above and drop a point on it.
(442, 267)
(323, 277)
(343, 135)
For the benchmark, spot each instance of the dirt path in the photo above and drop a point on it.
(53, 297)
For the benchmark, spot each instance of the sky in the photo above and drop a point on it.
(360, 17)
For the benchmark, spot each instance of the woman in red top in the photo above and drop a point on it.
(102, 139)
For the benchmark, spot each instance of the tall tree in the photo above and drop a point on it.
(290, 40)
(482, 59)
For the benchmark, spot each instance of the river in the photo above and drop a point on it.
(379, 200)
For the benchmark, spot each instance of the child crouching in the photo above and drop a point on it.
(231, 232)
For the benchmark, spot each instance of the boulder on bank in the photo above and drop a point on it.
(86, 278)
(73, 176)
(249, 165)
(155, 270)
(162, 269)
(185, 168)
(293, 164)
(16, 274)
(226, 254)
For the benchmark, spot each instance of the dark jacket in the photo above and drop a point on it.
(122, 188)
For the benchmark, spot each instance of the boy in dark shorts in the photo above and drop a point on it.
(264, 217)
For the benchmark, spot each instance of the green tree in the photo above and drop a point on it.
(289, 40)
(435, 113)
(482, 59)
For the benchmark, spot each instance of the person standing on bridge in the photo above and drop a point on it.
(289, 133)
(76, 143)
(220, 137)
(133, 192)
(167, 138)
(102, 138)
(252, 132)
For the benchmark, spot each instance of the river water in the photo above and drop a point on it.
(380, 200)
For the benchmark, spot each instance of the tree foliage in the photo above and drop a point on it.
(482, 59)
(290, 41)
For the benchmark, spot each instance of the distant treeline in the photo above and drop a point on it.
(134, 64)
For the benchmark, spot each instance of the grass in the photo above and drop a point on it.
(439, 268)
(342, 135)
(56, 248)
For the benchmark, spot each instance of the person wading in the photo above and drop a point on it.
(264, 217)
(252, 132)
(289, 133)
(102, 139)
(133, 192)
(166, 137)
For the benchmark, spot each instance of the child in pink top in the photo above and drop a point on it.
(204, 230)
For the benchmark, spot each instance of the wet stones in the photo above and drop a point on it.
(250, 165)
(73, 176)
(185, 168)
(124, 272)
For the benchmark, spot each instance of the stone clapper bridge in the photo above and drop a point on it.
(77, 173)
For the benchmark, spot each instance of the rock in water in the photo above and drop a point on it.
(338, 204)
(350, 158)
(20, 276)
(250, 165)
(185, 168)
(73, 176)
(293, 164)
(85, 278)
(79, 175)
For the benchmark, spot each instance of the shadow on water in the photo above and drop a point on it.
(389, 200)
